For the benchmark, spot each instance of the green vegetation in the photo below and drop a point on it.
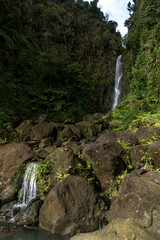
(55, 58)
(42, 177)
(141, 86)
(114, 187)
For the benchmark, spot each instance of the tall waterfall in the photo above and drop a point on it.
(118, 79)
(28, 190)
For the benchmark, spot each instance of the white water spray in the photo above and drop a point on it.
(118, 79)
(28, 190)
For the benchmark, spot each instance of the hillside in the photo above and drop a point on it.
(141, 73)
(56, 57)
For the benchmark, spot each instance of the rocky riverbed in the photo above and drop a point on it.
(87, 178)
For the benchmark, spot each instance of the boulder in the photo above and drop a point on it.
(45, 142)
(71, 206)
(154, 153)
(137, 154)
(129, 138)
(90, 118)
(12, 156)
(62, 159)
(40, 153)
(84, 128)
(30, 215)
(138, 200)
(70, 132)
(25, 128)
(6, 211)
(120, 229)
(50, 149)
(105, 156)
(147, 133)
(43, 129)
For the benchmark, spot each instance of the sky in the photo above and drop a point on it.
(117, 11)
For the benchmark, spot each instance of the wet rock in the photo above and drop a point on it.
(7, 229)
(30, 215)
(71, 206)
(6, 211)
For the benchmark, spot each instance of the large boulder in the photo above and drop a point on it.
(43, 129)
(138, 199)
(135, 214)
(12, 156)
(105, 156)
(120, 229)
(71, 206)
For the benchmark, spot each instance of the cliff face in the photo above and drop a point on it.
(56, 57)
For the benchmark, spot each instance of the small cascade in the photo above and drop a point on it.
(118, 79)
(28, 190)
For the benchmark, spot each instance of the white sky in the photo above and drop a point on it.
(117, 11)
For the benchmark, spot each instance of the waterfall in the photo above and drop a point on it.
(28, 190)
(29, 187)
(118, 79)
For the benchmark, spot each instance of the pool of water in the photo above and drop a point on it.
(35, 235)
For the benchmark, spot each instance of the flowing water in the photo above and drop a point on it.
(27, 193)
(36, 235)
(118, 79)
(28, 190)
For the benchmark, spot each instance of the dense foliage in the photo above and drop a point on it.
(141, 86)
(56, 57)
